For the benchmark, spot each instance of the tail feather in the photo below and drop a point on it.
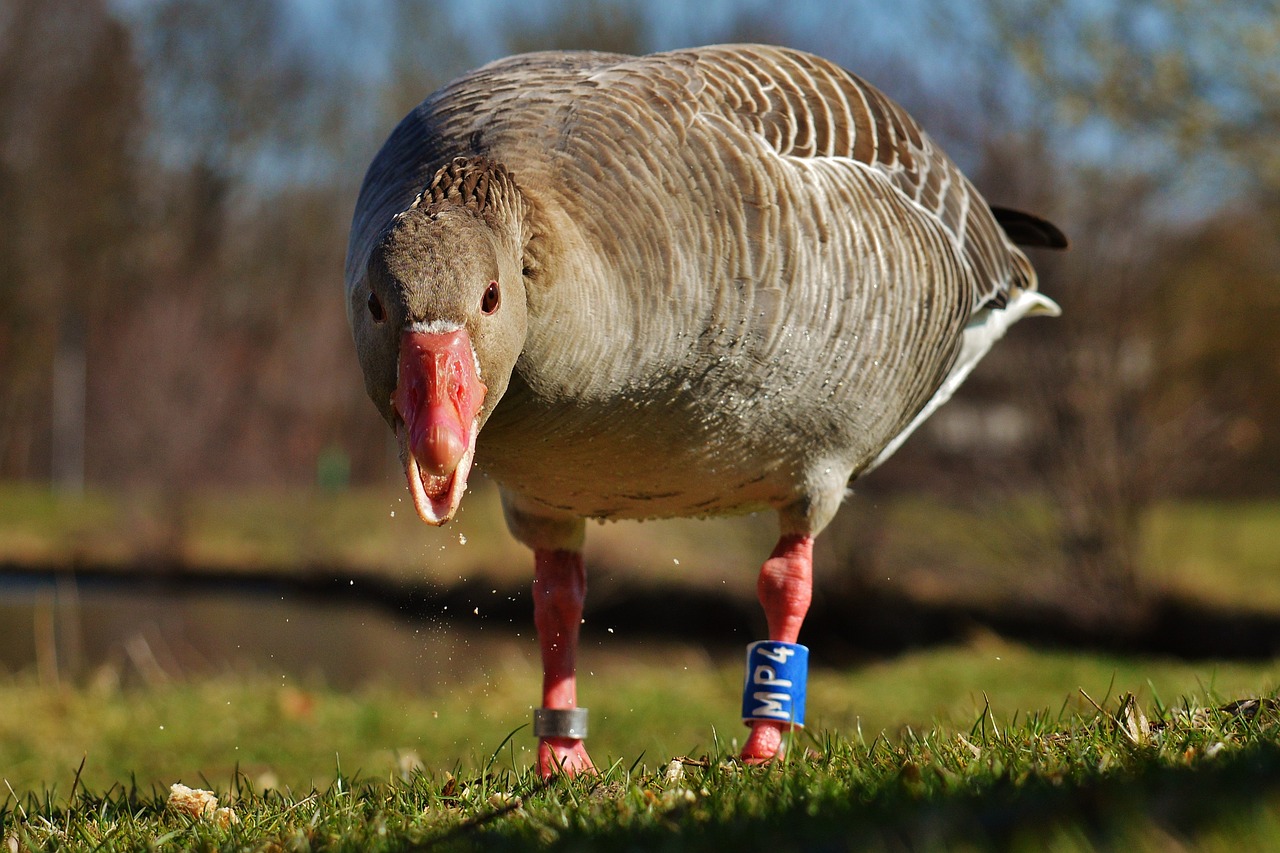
(1027, 229)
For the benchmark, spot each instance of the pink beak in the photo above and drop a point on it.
(438, 396)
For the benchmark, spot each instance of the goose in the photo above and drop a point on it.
(700, 282)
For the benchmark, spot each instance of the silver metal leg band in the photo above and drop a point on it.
(560, 722)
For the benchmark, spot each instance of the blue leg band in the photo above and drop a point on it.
(776, 682)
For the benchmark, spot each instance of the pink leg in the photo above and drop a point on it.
(785, 589)
(559, 587)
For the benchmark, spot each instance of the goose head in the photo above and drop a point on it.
(438, 326)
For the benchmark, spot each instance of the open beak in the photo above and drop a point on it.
(437, 399)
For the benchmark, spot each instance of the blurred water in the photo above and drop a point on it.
(66, 630)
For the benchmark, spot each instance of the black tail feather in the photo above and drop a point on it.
(1027, 229)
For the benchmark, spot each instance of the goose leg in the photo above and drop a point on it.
(559, 587)
(785, 588)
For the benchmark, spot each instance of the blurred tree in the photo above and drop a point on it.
(1215, 341)
(231, 91)
(237, 320)
(1135, 126)
(1190, 85)
(426, 46)
(613, 26)
(1107, 457)
(68, 136)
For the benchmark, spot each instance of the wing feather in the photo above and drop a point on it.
(806, 108)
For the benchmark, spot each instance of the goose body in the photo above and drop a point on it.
(721, 279)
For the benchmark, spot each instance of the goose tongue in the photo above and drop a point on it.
(438, 395)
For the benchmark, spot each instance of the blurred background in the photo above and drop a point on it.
(186, 445)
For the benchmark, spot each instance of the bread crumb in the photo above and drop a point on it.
(191, 801)
(197, 803)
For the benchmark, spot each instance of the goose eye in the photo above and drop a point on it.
(492, 298)
(375, 308)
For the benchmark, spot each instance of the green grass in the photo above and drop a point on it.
(1142, 777)
(991, 742)
(655, 703)
(1226, 554)
(362, 530)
